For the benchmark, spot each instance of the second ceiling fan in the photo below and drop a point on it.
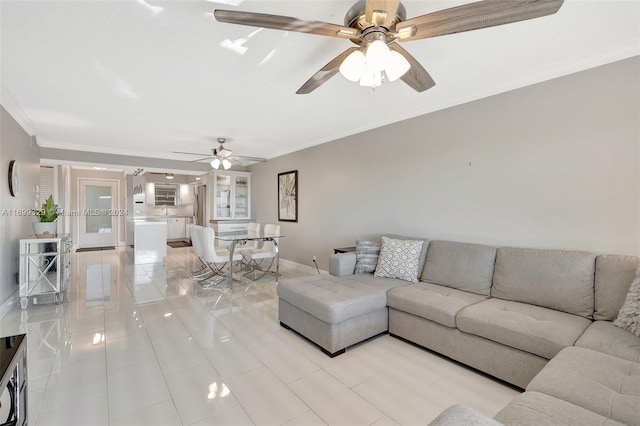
(223, 157)
(377, 25)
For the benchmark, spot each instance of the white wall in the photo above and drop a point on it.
(15, 144)
(553, 165)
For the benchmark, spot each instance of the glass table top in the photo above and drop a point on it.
(246, 236)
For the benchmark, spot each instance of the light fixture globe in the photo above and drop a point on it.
(215, 163)
(397, 66)
(371, 78)
(377, 55)
(226, 164)
(353, 66)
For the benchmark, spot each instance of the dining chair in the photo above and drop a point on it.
(252, 228)
(205, 271)
(215, 257)
(256, 257)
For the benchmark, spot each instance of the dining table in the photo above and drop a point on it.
(242, 237)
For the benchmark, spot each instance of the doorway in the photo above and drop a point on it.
(99, 217)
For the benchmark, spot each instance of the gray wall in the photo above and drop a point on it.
(15, 144)
(552, 165)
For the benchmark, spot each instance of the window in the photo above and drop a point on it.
(166, 195)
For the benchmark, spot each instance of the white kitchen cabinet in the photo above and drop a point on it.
(231, 195)
(176, 228)
(186, 194)
(150, 193)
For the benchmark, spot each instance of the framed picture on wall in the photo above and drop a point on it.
(288, 196)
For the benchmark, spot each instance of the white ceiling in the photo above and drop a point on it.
(146, 78)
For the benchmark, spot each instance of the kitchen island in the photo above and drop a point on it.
(149, 240)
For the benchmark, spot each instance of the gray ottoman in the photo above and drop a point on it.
(333, 312)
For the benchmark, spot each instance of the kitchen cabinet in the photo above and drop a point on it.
(150, 194)
(186, 195)
(231, 195)
(187, 228)
(176, 228)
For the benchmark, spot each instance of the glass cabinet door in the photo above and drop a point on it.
(241, 197)
(232, 195)
(223, 197)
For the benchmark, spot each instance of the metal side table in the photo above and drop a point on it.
(44, 267)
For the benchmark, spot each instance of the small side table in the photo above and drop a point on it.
(13, 377)
(344, 249)
(44, 267)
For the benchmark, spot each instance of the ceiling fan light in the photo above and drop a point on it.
(353, 65)
(377, 55)
(371, 78)
(215, 163)
(226, 164)
(397, 66)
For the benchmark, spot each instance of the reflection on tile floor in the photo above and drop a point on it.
(146, 345)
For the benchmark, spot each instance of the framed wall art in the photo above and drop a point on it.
(288, 196)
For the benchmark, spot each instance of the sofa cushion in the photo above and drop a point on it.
(614, 275)
(540, 331)
(557, 279)
(367, 253)
(629, 316)
(603, 336)
(399, 259)
(457, 415)
(377, 282)
(332, 299)
(538, 409)
(599, 382)
(432, 302)
(467, 267)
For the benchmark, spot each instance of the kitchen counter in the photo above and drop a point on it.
(150, 240)
(167, 216)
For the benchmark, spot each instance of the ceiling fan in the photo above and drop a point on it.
(377, 25)
(224, 157)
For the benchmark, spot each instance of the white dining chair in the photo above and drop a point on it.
(205, 271)
(258, 256)
(216, 258)
(252, 228)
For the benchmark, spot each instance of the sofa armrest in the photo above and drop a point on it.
(341, 264)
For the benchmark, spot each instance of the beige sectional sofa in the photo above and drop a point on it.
(505, 311)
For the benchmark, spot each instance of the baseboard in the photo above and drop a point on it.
(299, 267)
(8, 304)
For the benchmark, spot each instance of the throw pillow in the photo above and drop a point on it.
(367, 253)
(399, 259)
(629, 315)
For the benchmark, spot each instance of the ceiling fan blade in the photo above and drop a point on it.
(381, 12)
(417, 77)
(191, 153)
(325, 73)
(284, 23)
(202, 156)
(256, 159)
(208, 158)
(473, 16)
(236, 161)
(224, 152)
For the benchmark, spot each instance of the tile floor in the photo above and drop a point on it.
(146, 345)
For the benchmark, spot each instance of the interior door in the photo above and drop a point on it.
(99, 219)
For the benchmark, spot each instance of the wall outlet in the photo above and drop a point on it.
(314, 259)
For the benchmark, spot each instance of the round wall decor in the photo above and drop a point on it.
(14, 178)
